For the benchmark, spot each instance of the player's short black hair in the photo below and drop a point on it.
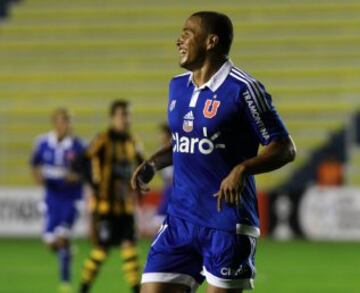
(165, 128)
(220, 25)
(123, 104)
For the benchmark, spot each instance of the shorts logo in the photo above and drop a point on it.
(188, 124)
(172, 105)
(233, 272)
(210, 108)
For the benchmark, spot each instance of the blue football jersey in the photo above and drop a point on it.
(55, 159)
(214, 128)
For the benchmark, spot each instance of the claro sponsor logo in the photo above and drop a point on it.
(255, 114)
(205, 145)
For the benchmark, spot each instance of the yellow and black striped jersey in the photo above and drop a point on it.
(113, 157)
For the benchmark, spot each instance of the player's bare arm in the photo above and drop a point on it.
(145, 172)
(37, 175)
(275, 155)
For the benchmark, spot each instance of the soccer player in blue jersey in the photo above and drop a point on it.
(218, 115)
(51, 162)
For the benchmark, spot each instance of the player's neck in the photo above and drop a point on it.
(210, 66)
(61, 137)
(119, 131)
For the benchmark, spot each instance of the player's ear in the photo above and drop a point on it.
(212, 41)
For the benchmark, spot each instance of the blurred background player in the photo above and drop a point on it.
(113, 155)
(166, 175)
(51, 162)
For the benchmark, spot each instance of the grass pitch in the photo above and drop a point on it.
(288, 267)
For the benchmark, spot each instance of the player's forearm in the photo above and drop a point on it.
(162, 158)
(277, 154)
(38, 178)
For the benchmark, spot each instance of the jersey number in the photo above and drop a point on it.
(210, 108)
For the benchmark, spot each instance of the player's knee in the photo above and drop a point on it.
(212, 289)
(62, 242)
(127, 243)
(51, 245)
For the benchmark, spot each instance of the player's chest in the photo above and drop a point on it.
(58, 156)
(119, 151)
(190, 112)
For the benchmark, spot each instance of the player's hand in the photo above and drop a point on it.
(231, 187)
(72, 177)
(142, 176)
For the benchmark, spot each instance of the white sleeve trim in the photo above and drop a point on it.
(247, 230)
(174, 278)
(246, 284)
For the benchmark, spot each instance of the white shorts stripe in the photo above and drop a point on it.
(243, 229)
(59, 232)
(161, 231)
(173, 278)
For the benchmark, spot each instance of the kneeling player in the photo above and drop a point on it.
(51, 162)
(218, 115)
(113, 156)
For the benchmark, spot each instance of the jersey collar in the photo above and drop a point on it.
(65, 143)
(217, 79)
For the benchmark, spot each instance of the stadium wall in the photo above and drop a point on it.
(22, 209)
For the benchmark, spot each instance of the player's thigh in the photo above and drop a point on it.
(173, 259)
(163, 288)
(63, 230)
(102, 231)
(213, 289)
(69, 214)
(51, 220)
(124, 229)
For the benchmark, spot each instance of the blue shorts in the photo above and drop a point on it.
(186, 253)
(59, 220)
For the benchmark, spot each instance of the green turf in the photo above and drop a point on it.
(296, 266)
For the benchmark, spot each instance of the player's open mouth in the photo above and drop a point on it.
(182, 52)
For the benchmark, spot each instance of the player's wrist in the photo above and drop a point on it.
(148, 171)
(242, 169)
(151, 163)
